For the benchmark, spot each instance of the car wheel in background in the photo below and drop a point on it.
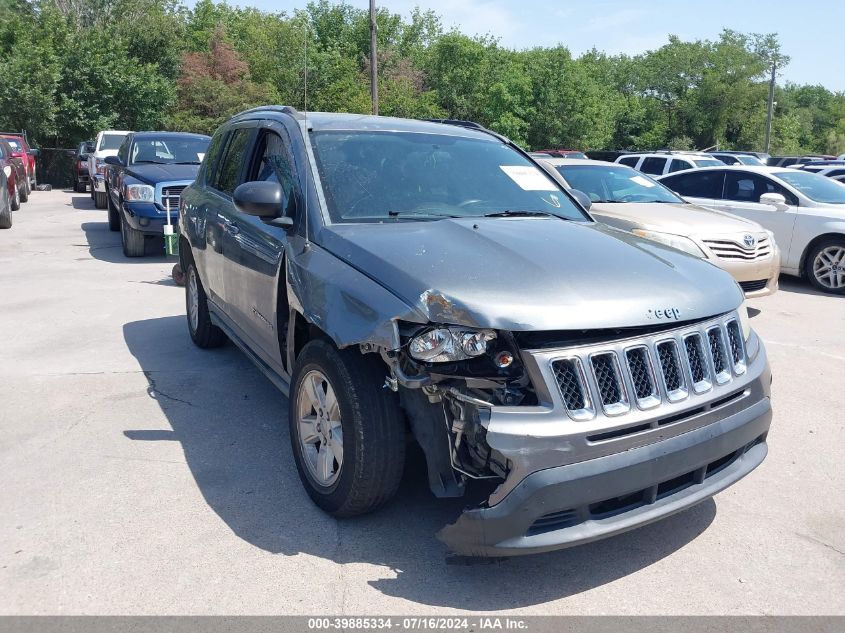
(79, 187)
(826, 265)
(24, 193)
(100, 199)
(346, 431)
(5, 209)
(203, 332)
(132, 240)
(114, 216)
(16, 199)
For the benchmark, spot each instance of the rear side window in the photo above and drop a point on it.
(631, 161)
(678, 165)
(701, 184)
(653, 165)
(835, 173)
(746, 187)
(233, 159)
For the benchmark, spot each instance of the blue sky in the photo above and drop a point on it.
(811, 31)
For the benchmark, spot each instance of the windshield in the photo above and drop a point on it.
(169, 150)
(15, 145)
(815, 187)
(372, 176)
(707, 162)
(749, 160)
(618, 183)
(111, 141)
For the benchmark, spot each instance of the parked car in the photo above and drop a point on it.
(406, 278)
(79, 171)
(806, 213)
(15, 171)
(737, 158)
(563, 153)
(788, 161)
(145, 180)
(827, 168)
(21, 149)
(666, 162)
(5, 200)
(631, 201)
(106, 144)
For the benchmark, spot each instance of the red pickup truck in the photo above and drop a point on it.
(22, 150)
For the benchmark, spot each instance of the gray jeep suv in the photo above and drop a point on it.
(421, 281)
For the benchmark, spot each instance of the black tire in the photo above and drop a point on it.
(114, 215)
(5, 208)
(100, 199)
(836, 285)
(131, 239)
(15, 202)
(203, 333)
(79, 187)
(373, 430)
(25, 191)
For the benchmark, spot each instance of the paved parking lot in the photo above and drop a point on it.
(141, 475)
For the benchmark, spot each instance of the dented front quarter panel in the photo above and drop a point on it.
(345, 304)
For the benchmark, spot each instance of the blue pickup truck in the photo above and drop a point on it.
(145, 180)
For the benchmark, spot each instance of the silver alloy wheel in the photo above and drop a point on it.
(829, 267)
(319, 428)
(193, 299)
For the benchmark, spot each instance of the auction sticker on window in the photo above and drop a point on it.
(645, 182)
(528, 178)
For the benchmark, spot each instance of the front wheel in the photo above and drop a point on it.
(100, 199)
(5, 209)
(132, 240)
(16, 198)
(346, 430)
(826, 265)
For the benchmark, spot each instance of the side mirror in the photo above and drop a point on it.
(582, 198)
(263, 200)
(113, 160)
(775, 200)
(34, 152)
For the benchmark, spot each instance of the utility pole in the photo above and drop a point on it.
(771, 107)
(373, 57)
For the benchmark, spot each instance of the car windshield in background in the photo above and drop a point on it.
(111, 141)
(815, 187)
(169, 150)
(615, 184)
(378, 176)
(750, 160)
(707, 162)
(15, 145)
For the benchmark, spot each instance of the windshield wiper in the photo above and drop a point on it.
(151, 162)
(508, 213)
(424, 214)
(186, 162)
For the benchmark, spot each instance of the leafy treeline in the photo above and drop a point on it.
(71, 67)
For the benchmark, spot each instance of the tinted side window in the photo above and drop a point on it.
(631, 161)
(233, 159)
(123, 150)
(702, 184)
(653, 165)
(745, 187)
(210, 161)
(836, 172)
(274, 163)
(678, 165)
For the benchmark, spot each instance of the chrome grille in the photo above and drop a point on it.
(170, 196)
(570, 384)
(734, 248)
(662, 368)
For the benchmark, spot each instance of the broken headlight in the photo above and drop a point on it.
(448, 344)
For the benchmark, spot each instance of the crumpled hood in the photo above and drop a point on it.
(526, 274)
(152, 174)
(680, 219)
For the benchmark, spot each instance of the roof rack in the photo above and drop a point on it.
(472, 125)
(273, 108)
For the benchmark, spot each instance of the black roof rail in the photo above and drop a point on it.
(272, 108)
(472, 125)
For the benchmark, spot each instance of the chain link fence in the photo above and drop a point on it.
(55, 167)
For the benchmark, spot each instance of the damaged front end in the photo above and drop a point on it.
(561, 427)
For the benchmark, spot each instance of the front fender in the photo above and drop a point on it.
(348, 306)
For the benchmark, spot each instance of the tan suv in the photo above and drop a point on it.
(632, 201)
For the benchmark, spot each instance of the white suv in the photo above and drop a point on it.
(107, 143)
(667, 162)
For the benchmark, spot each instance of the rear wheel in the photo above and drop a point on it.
(346, 430)
(826, 265)
(25, 191)
(131, 239)
(203, 332)
(16, 199)
(100, 199)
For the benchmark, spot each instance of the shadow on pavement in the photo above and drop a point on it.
(104, 245)
(83, 201)
(799, 285)
(232, 425)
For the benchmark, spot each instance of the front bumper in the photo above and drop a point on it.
(578, 503)
(149, 218)
(758, 278)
